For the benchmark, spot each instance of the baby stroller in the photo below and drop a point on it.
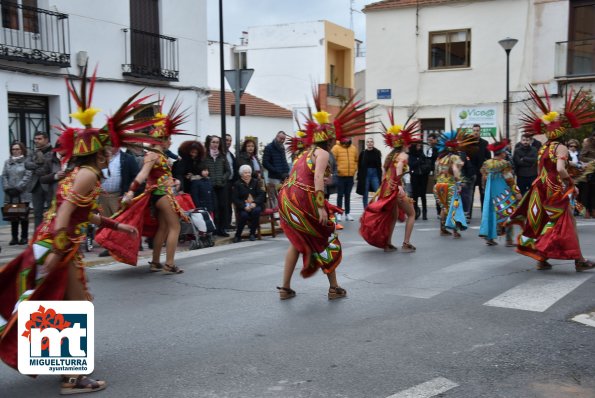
(200, 227)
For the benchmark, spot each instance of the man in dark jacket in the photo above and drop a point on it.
(275, 160)
(524, 160)
(233, 166)
(481, 155)
(219, 172)
(369, 170)
(39, 162)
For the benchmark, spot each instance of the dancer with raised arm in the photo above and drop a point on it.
(52, 267)
(155, 213)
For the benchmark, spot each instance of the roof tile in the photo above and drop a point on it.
(255, 106)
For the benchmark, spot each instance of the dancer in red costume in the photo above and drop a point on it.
(303, 209)
(51, 268)
(546, 211)
(391, 203)
(156, 208)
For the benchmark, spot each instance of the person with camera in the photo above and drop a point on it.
(15, 180)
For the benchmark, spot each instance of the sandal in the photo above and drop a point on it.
(286, 293)
(408, 248)
(456, 235)
(336, 292)
(172, 269)
(510, 243)
(390, 248)
(80, 384)
(583, 265)
(155, 267)
(491, 242)
(444, 232)
(544, 265)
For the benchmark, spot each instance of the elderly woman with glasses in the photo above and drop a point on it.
(248, 199)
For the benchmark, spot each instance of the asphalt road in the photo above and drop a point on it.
(455, 319)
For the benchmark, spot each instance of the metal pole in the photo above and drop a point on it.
(237, 95)
(222, 75)
(508, 94)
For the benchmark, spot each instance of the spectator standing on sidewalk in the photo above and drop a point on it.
(39, 163)
(369, 171)
(432, 154)
(15, 181)
(274, 160)
(477, 159)
(524, 160)
(234, 176)
(346, 157)
(420, 167)
(118, 176)
(219, 172)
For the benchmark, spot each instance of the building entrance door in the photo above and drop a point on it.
(27, 114)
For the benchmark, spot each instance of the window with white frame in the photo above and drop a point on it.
(450, 49)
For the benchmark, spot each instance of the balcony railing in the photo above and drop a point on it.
(34, 35)
(336, 91)
(150, 56)
(575, 58)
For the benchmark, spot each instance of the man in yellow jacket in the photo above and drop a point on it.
(346, 156)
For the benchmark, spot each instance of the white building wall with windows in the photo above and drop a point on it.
(398, 57)
(289, 59)
(98, 29)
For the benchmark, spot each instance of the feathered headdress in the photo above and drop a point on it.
(118, 130)
(350, 121)
(457, 141)
(577, 111)
(296, 144)
(498, 146)
(169, 124)
(395, 136)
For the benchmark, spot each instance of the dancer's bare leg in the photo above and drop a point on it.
(171, 220)
(291, 258)
(406, 205)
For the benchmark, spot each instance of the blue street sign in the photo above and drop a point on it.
(383, 93)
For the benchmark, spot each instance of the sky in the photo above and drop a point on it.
(238, 15)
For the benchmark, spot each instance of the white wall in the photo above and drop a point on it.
(213, 57)
(288, 60)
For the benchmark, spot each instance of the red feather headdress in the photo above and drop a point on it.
(395, 136)
(577, 111)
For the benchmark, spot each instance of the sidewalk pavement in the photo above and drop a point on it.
(92, 258)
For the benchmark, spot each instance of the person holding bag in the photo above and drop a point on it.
(15, 180)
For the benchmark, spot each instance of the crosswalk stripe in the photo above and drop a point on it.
(539, 293)
(586, 319)
(430, 285)
(428, 389)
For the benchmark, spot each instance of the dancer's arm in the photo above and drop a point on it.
(320, 165)
(150, 159)
(83, 184)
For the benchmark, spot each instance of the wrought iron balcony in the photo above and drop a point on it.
(34, 35)
(150, 56)
(336, 91)
(575, 58)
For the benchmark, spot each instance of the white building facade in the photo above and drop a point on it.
(159, 45)
(442, 59)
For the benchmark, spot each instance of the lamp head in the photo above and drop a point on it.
(508, 43)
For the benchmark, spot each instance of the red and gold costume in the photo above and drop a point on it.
(298, 210)
(141, 214)
(25, 277)
(379, 217)
(545, 213)
(300, 202)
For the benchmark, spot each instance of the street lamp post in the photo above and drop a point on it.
(507, 44)
(222, 74)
